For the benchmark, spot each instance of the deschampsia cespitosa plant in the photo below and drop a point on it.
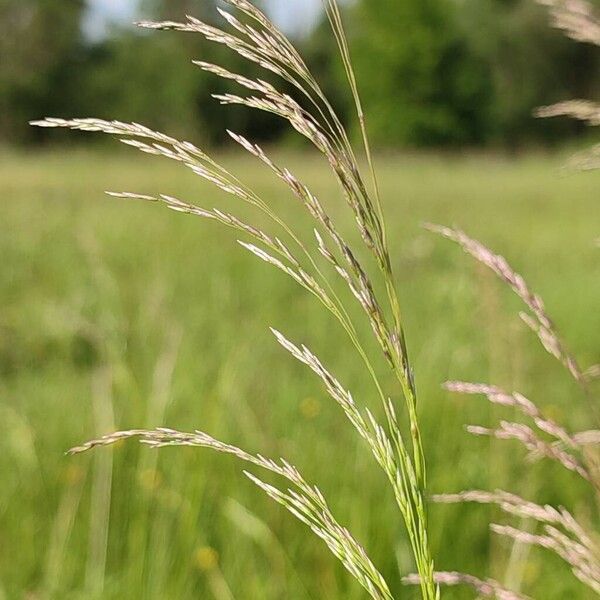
(395, 443)
(542, 437)
(554, 528)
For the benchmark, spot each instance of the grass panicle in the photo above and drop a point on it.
(488, 588)
(580, 21)
(574, 542)
(396, 444)
(305, 501)
(577, 18)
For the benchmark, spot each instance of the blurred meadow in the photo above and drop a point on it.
(119, 314)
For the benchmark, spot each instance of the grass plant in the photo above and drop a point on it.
(256, 38)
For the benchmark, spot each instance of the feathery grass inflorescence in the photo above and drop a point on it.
(488, 588)
(581, 22)
(537, 318)
(306, 502)
(577, 18)
(563, 447)
(560, 532)
(254, 37)
(582, 110)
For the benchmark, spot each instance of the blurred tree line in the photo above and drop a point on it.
(431, 72)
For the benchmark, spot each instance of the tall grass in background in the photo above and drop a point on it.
(549, 527)
(395, 443)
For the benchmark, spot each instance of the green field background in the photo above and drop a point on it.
(120, 314)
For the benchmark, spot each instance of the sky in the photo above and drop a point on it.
(294, 16)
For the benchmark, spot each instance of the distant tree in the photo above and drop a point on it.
(149, 76)
(529, 64)
(132, 76)
(420, 81)
(468, 71)
(431, 72)
(321, 53)
(48, 67)
(40, 41)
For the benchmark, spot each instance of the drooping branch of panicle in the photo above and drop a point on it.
(305, 501)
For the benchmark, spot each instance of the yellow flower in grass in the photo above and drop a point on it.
(150, 479)
(206, 558)
(310, 408)
(73, 474)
